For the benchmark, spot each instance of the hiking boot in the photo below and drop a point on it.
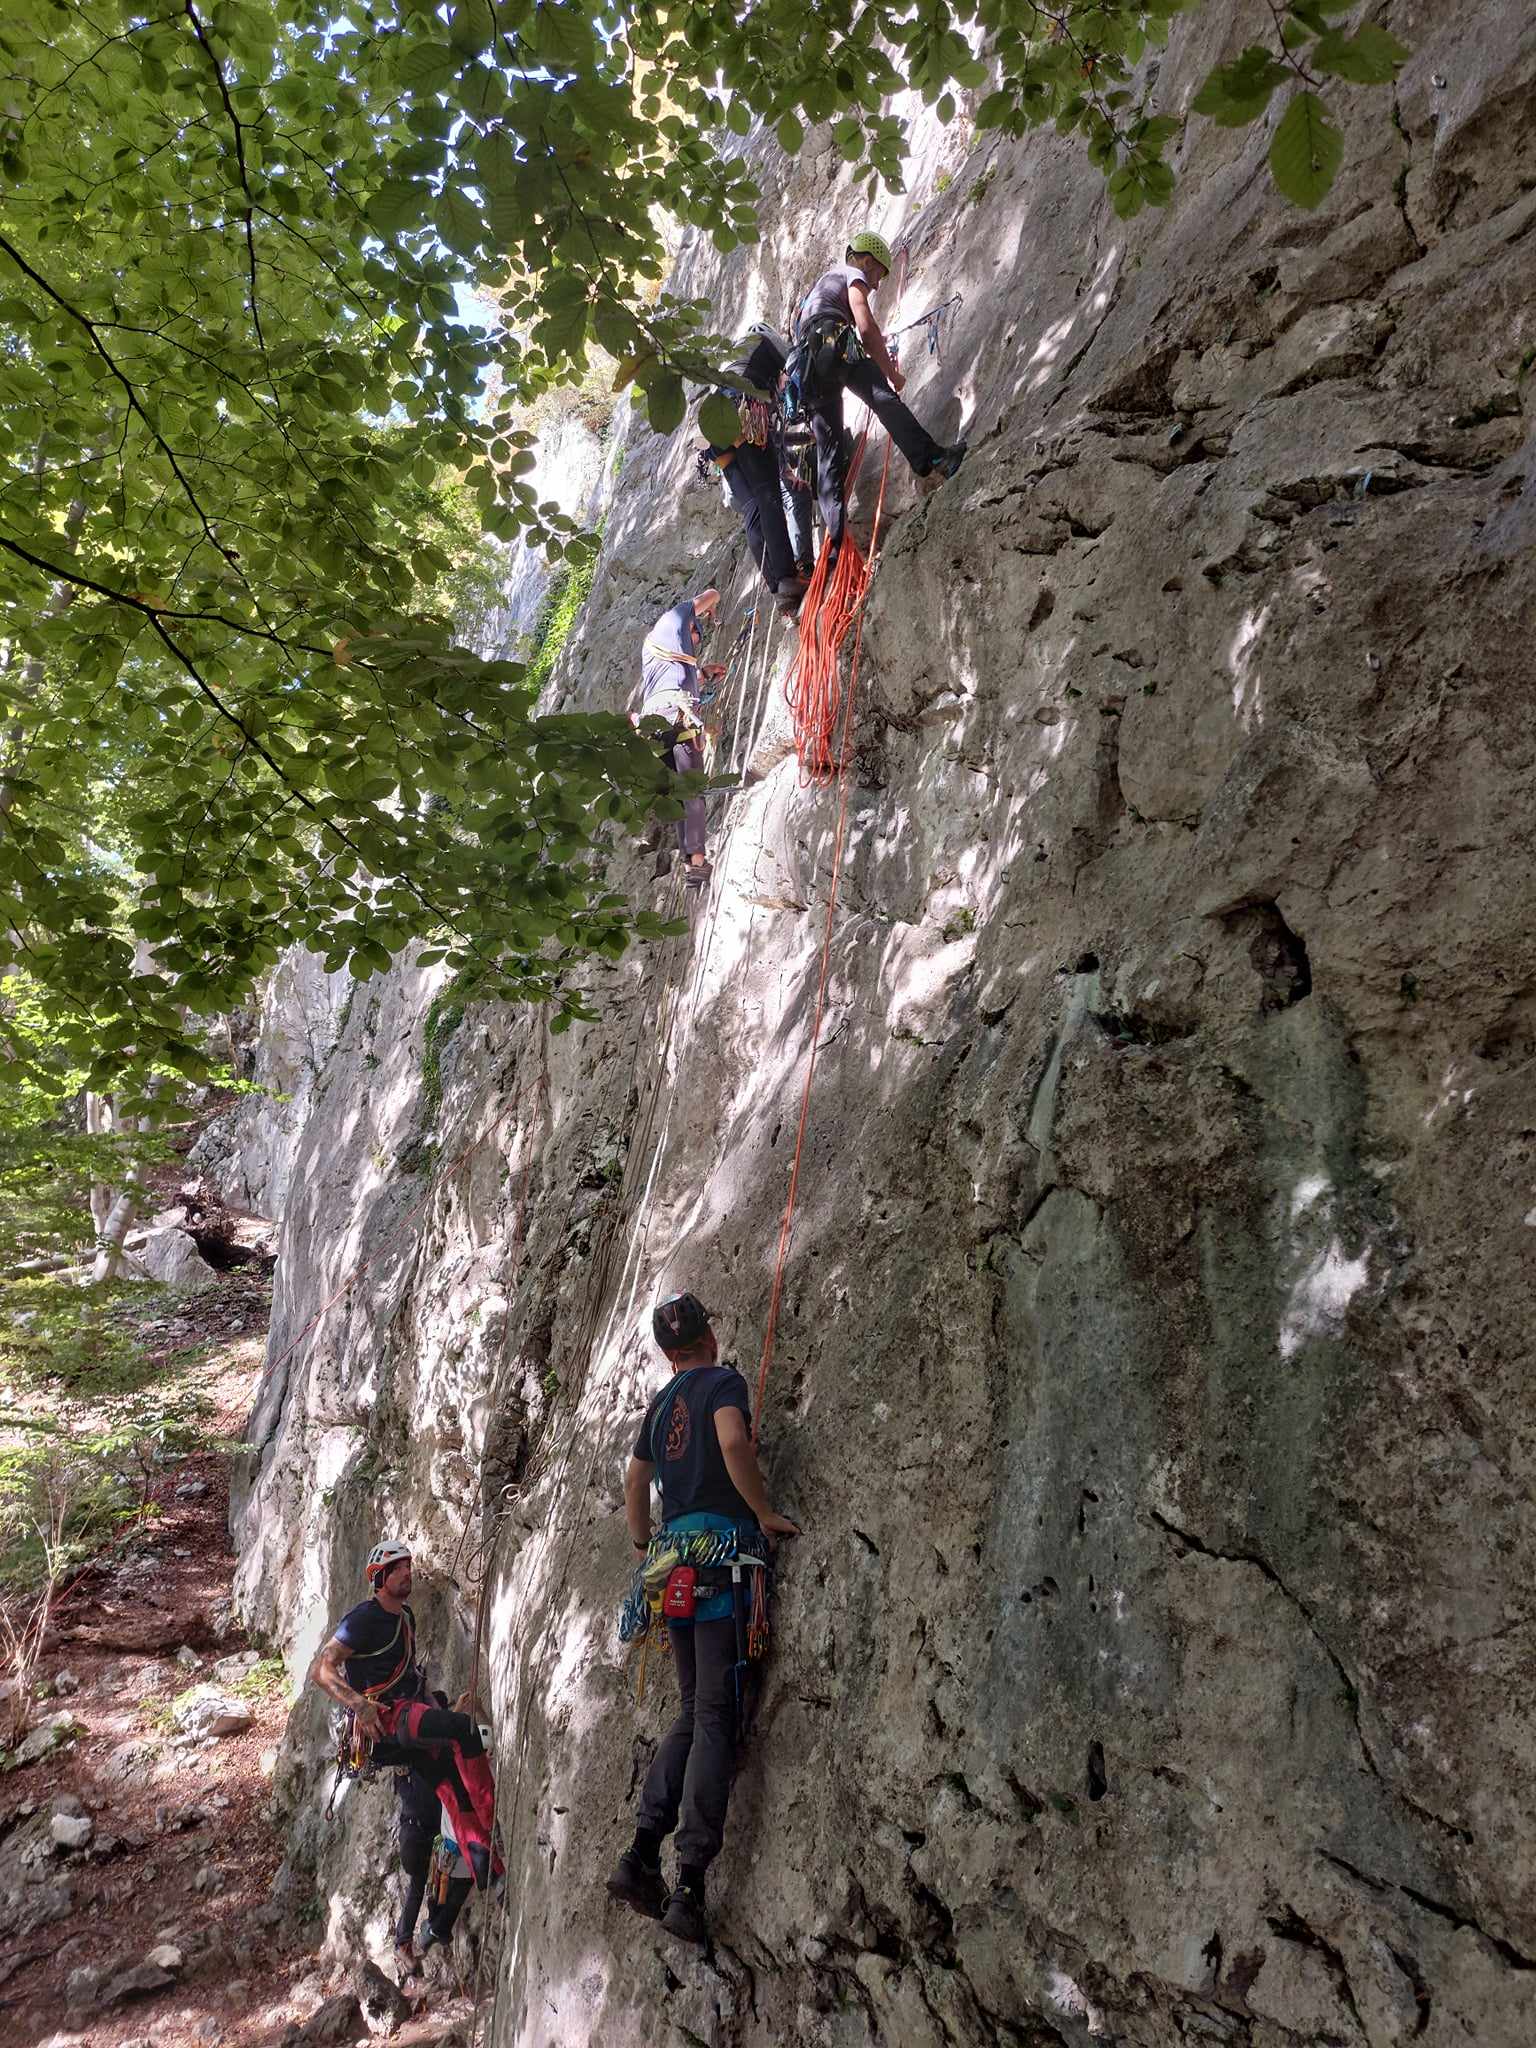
(684, 1917)
(639, 1886)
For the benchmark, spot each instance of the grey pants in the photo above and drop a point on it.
(688, 759)
(688, 1786)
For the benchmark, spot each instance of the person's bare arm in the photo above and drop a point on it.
(637, 1501)
(327, 1673)
(740, 1455)
(869, 333)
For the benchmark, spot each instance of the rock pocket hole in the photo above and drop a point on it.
(1098, 1784)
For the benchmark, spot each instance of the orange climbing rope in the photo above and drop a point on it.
(848, 612)
(813, 686)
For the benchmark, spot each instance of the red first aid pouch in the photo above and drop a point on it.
(678, 1603)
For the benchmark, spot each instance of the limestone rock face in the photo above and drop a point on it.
(247, 1154)
(1150, 1379)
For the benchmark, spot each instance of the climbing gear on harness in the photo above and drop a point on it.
(680, 1320)
(352, 1748)
(381, 1557)
(708, 1551)
(822, 347)
(866, 244)
(677, 1603)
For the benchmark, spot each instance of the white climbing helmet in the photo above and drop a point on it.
(382, 1556)
(761, 331)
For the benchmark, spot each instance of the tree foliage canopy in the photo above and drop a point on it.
(240, 405)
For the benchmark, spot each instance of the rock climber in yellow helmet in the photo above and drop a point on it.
(841, 348)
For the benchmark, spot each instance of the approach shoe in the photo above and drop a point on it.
(639, 1886)
(684, 1917)
(695, 877)
(407, 1962)
(948, 460)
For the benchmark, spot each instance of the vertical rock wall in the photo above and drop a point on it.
(1156, 1662)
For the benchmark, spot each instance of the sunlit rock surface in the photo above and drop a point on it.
(1152, 1380)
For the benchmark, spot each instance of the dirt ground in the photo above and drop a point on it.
(184, 1850)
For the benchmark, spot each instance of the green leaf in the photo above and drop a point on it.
(1306, 151)
(738, 117)
(719, 421)
(790, 134)
(1369, 57)
(426, 67)
(1238, 93)
(665, 402)
(459, 221)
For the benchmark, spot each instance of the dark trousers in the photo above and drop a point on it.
(420, 1821)
(688, 1786)
(752, 478)
(825, 407)
(688, 759)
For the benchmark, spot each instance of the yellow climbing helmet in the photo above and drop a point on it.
(866, 244)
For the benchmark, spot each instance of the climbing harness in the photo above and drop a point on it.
(678, 1568)
(822, 347)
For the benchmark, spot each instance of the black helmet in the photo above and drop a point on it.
(679, 1321)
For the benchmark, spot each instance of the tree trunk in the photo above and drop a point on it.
(113, 1210)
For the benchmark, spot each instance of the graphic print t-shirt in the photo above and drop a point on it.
(379, 1643)
(679, 1438)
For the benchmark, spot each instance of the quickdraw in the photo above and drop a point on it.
(933, 320)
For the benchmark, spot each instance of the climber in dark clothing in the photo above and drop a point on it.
(369, 1667)
(839, 347)
(673, 681)
(754, 476)
(422, 1819)
(697, 1441)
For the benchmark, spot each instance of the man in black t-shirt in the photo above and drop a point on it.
(369, 1666)
(696, 1443)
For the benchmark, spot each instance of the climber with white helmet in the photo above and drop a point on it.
(675, 686)
(838, 347)
(753, 470)
(369, 1667)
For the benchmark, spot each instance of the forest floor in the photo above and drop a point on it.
(177, 1886)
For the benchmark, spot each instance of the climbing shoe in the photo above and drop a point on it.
(639, 1885)
(684, 1916)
